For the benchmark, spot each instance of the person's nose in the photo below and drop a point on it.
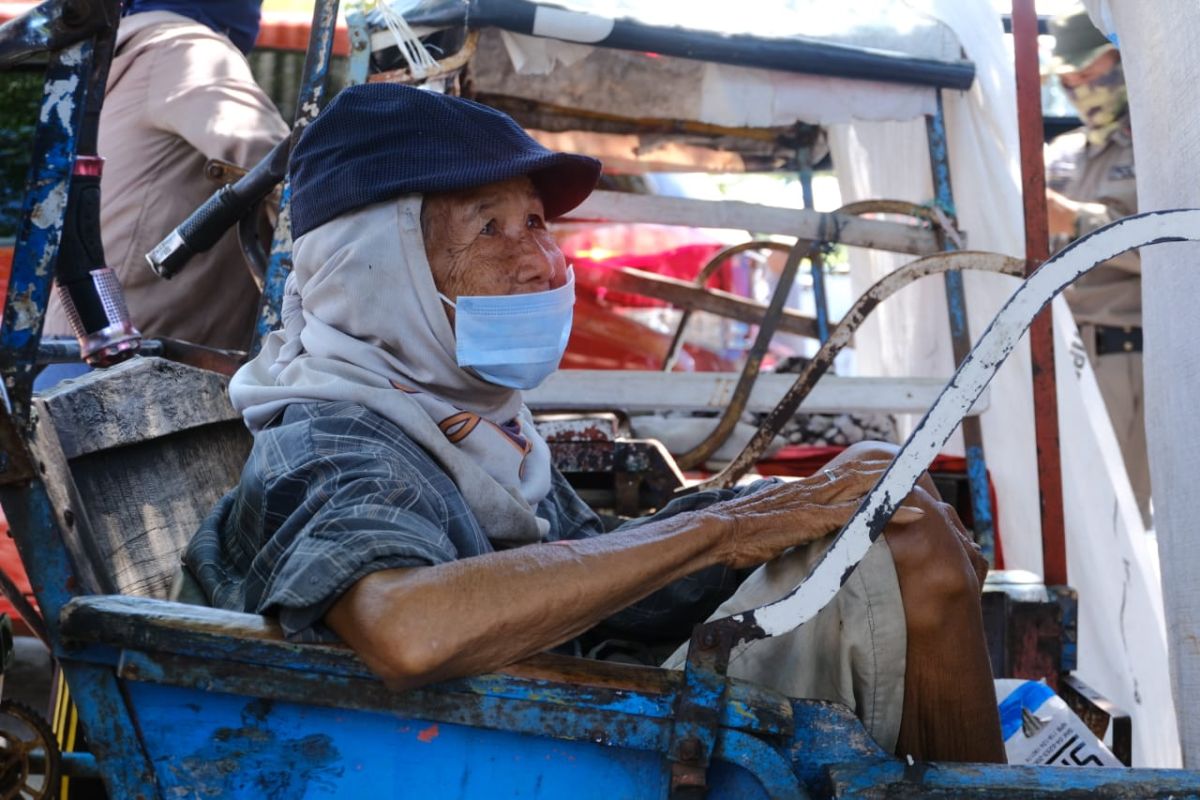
(542, 263)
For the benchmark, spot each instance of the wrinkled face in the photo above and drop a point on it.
(490, 240)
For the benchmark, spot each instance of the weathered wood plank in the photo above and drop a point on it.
(145, 500)
(134, 458)
(137, 400)
(730, 214)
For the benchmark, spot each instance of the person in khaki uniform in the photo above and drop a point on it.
(180, 92)
(1091, 182)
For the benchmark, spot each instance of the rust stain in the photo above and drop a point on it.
(429, 734)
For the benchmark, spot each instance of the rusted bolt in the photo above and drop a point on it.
(708, 641)
(690, 749)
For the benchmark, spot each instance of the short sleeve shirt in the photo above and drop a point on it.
(333, 492)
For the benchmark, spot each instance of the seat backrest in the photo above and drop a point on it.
(134, 457)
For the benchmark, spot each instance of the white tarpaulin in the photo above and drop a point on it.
(1121, 637)
(1162, 69)
(565, 73)
(717, 94)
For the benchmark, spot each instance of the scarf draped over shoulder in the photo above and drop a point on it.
(362, 322)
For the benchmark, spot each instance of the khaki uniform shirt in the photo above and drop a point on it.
(1111, 294)
(178, 95)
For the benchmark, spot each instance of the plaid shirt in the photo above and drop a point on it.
(334, 492)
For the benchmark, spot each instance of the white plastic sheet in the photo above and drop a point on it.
(1122, 639)
(1162, 69)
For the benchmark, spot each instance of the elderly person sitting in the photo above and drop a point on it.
(398, 496)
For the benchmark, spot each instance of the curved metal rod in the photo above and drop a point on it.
(733, 412)
(741, 394)
(901, 207)
(968, 383)
(841, 336)
(702, 278)
(933, 214)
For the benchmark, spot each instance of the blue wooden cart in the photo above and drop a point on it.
(182, 701)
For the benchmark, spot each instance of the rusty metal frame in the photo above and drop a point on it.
(1041, 334)
(737, 404)
(841, 336)
(702, 279)
(801, 250)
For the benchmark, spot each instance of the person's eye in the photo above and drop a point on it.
(489, 228)
(535, 221)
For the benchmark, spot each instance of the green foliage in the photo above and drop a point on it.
(20, 94)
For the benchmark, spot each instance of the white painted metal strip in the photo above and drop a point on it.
(636, 391)
(802, 223)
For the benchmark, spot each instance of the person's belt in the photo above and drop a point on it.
(1118, 339)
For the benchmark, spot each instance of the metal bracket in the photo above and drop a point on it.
(698, 711)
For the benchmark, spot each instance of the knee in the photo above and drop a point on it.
(936, 565)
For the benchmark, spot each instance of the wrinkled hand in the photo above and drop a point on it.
(765, 524)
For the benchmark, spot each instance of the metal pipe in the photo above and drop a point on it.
(841, 335)
(805, 56)
(983, 521)
(43, 218)
(1041, 334)
(817, 262)
(741, 393)
(706, 272)
(312, 89)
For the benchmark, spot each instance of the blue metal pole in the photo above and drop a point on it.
(43, 215)
(960, 334)
(816, 263)
(312, 89)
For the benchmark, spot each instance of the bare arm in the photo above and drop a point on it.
(414, 626)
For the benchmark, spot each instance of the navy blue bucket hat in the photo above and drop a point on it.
(382, 140)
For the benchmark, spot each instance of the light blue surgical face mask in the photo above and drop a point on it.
(514, 340)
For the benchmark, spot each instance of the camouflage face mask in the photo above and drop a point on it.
(1101, 104)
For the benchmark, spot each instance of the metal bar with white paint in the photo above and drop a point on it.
(640, 391)
(801, 223)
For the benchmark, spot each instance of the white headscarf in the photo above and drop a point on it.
(362, 322)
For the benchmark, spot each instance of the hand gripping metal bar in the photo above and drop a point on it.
(968, 383)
